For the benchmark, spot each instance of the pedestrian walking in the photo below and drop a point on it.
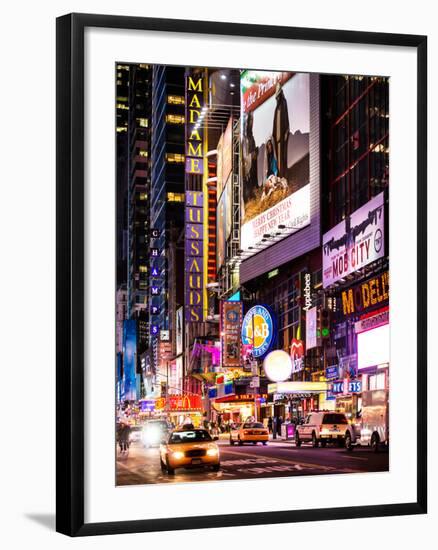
(124, 433)
(270, 424)
(274, 427)
(279, 423)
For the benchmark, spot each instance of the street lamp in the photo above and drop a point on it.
(278, 365)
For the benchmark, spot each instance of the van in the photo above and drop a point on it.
(371, 428)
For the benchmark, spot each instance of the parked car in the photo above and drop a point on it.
(322, 427)
(189, 449)
(371, 426)
(249, 432)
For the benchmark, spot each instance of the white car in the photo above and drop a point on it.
(322, 427)
(135, 434)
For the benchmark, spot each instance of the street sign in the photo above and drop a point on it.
(346, 386)
(254, 367)
(255, 382)
(331, 373)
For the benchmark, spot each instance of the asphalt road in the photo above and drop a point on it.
(277, 459)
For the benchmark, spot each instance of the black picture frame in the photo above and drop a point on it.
(70, 273)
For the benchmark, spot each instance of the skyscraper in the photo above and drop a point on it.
(167, 185)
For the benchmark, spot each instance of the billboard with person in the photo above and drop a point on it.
(275, 154)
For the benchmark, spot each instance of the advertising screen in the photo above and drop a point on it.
(231, 323)
(373, 347)
(355, 242)
(129, 358)
(275, 154)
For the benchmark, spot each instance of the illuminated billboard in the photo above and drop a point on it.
(258, 330)
(354, 242)
(129, 390)
(275, 133)
(194, 256)
(231, 323)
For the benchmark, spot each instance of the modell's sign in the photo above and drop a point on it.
(369, 322)
(367, 295)
(355, 242)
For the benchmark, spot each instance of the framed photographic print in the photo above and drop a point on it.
(241, 274)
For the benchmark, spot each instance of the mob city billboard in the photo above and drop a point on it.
(355, 242)
(275, 154)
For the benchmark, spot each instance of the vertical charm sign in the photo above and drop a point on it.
(194, 198)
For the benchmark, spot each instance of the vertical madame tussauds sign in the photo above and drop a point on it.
(194, 197)
(195, 112)
(194, 256)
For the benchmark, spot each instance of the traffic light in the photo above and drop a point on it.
(325, 323)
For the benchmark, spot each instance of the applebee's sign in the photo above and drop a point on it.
(355, 242)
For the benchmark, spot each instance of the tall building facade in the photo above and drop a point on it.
(139, 187)
(133, 97)
(122, 115)
(355, 114)
(166, 211)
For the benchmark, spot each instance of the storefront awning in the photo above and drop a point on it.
(306, 388)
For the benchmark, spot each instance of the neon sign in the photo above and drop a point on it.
(258, 330)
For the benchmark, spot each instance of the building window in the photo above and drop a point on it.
(175, 197)
(142, 122)
(175, 99)
(122, 106)
(358, 129)
(175, 119)
(142, 269)
(143, 153)
(175, 157)
(143, 196)
(122, 129)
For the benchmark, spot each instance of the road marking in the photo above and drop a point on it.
(357, 458)
(289, 462)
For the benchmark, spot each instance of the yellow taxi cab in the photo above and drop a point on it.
(188, 448)
(249, 432)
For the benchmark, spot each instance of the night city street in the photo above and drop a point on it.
(277, 459)
(253, 280)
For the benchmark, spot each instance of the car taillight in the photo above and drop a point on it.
(245, 433)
